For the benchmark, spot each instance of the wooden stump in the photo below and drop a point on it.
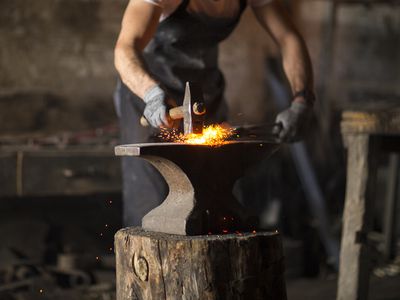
(161, 266)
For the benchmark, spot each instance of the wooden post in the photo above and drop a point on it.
(162, 266)
(364, 132)
(354, 257)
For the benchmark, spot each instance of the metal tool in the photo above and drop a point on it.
(192, 111)
(193, 108)
(264, 131)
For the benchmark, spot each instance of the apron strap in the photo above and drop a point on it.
(243, 4)
(182, 7)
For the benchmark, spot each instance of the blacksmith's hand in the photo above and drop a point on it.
(293, 121)
(155, 110)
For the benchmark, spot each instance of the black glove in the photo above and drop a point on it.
(291, 122)
(155, 110)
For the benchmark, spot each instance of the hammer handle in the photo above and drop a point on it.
(174, 113)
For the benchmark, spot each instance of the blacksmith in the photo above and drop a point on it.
(163, 44)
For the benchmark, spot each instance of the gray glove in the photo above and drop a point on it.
(292, 122)
(155, 110)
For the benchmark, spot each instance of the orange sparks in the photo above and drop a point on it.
(213, 135)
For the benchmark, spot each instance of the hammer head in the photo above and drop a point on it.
(193, 109)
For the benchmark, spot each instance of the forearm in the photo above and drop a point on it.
(297, 63)
(132, 70)
(297, 66)
(139, 24)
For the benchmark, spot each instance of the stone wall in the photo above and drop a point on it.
(56, 63)
(360, 60)
(57, 73)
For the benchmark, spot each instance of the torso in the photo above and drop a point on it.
(185, 48)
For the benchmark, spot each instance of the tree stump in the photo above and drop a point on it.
(158, 266)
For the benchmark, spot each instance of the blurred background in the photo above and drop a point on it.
(60, 184)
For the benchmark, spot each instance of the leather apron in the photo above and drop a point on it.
(184, 48)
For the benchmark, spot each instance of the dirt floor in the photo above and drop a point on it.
(387, 288)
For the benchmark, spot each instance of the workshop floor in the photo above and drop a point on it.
(86, 225)
(387, 288)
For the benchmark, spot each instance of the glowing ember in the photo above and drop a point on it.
(213, 135)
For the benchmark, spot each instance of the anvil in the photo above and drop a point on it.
(200, 180)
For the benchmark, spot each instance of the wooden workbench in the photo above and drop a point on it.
(364, 134)
(51, 171)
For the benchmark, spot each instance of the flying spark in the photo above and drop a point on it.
(213, 135)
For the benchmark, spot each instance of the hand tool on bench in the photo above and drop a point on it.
(192, 111)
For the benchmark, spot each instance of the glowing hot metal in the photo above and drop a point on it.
(213, 135)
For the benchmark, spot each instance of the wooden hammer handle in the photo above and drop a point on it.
(174, 113)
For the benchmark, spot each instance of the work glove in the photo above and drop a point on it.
(155, 110)
(291, 122)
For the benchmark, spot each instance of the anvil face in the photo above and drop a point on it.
(200, 180)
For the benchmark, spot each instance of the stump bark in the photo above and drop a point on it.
(162, 266)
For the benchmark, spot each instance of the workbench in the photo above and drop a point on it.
(66, 163)
(365, 134)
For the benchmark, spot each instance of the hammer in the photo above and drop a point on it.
(192, 111)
